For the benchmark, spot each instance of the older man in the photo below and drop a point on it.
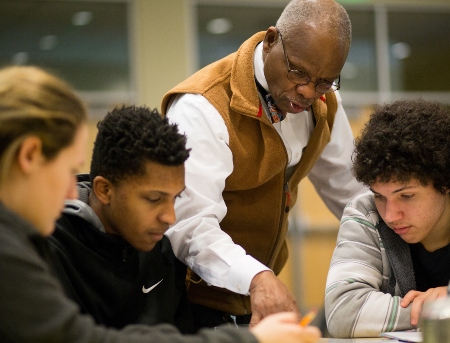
(259, 121)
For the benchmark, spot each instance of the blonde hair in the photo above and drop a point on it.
(35, 103)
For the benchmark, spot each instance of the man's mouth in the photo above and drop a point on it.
(297, 107)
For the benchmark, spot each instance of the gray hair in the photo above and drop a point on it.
(330, 15)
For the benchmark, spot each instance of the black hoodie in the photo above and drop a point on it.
(109, 279)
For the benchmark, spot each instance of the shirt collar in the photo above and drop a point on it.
(258, 64)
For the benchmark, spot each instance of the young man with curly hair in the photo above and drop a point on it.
(112, 256)
(393, 247)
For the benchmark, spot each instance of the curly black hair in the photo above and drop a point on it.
(404, 140)
(130, 136)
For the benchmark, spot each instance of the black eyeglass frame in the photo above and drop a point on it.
(330, 86)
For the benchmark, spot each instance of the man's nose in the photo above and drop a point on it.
(308, 91)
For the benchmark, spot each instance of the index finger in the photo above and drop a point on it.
(416, 309)
(409, 298)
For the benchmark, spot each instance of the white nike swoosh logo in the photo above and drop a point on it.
(146, 290)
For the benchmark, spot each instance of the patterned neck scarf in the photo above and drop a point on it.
(275, 113)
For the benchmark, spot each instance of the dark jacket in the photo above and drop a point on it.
(106, 276)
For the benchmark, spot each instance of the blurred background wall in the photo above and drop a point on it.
(132, 51)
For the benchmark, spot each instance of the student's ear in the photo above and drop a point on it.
(102, 189)
(29, 155)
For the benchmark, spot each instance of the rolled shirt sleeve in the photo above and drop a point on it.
(196, 237)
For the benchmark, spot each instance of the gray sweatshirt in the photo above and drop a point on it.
(371, 270)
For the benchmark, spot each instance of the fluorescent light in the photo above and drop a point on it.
(48, 42)
(82, 18)
(401, 50)
(219, 26)
(20, 58)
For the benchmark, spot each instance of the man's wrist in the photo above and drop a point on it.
(242, 273)
(258, 276)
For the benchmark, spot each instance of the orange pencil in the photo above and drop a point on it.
(308, 318)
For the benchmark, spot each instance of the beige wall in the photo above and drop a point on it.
(92, 126)
(162, 46)
(162, 52)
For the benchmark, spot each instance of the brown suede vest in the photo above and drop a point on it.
(256, 191)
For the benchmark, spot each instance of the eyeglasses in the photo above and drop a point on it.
(301, 79)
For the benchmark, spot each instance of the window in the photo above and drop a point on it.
(84, 42)
(360, 69)
(412, 38)
(222, 29)
(419, 50)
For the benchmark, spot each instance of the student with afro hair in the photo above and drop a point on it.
(393, 246)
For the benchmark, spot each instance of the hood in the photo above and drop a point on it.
(80, 207)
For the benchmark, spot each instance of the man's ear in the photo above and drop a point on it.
(270, 38)
(102, 189)
(29, 155)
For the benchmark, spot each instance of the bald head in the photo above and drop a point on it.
(326, 16)
(311, 37)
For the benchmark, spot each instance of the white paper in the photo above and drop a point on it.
(404, 336)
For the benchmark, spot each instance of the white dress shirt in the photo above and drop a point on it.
(196, 237)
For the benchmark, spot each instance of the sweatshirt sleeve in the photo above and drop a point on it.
(356, 304)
